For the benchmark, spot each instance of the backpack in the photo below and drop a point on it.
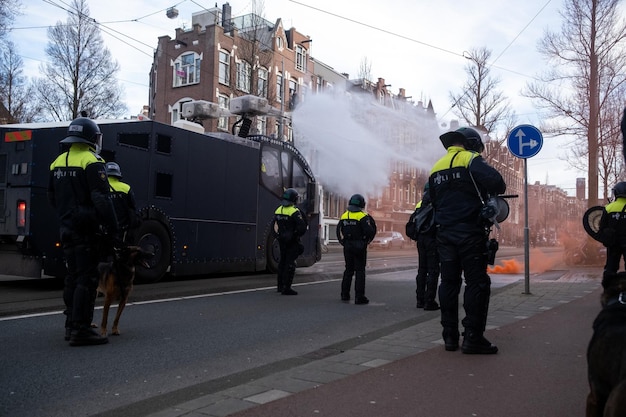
(410, 229)
(425, 219)
(421, 221)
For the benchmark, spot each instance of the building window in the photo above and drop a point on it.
(224, 75)
(293, 94)
(261, 125)
(244, 72)
(222, 122)
(300, 58)
(279, 87)
(262, 82)
(177, 109)
(187, 69)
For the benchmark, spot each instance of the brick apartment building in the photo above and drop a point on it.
(222, 57)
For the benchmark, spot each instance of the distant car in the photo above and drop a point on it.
(388, 240)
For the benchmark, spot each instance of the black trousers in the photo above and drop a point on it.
(289, 252)
(79, 294)
(355, 257)
(428, 269)
(614, 255)
(463, 254)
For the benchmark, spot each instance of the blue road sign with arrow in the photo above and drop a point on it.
(525, 141)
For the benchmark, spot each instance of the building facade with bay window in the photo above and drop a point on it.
(221, 57)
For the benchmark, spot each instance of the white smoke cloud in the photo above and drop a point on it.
(352, 142)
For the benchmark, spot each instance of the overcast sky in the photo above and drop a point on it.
(415, 45)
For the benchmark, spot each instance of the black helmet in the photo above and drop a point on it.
(619, 190)
(113, 170)
(356, 202)
(290, 196)
(466, 136)
(83, 130)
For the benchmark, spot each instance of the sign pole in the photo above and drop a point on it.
(526, 237)
(525, 141)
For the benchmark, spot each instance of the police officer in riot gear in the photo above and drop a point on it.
(123, 200)
(612, 229)
(355, 231)
(462, 235)
(289, 226)
(79, 191)
(428, 262)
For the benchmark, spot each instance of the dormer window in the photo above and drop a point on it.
(187, 69)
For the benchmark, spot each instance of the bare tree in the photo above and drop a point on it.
(255, 48)
(14, 89)
(80, 74)
(254, 52)
(9, 9)
(480, 103)
(365, 70)
(587, 73)
(610, 153)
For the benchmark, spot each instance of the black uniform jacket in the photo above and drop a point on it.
(453, 191)
(79, 190)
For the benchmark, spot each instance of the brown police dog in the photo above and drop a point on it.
(116, 282)
(606, 354)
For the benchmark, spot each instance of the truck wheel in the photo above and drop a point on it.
(152, 237)
(273, 255)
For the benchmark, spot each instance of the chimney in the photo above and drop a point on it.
(226, 18)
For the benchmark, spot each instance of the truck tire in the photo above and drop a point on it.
(152, 237)
(273, 255)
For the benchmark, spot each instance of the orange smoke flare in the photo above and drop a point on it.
(509, 266)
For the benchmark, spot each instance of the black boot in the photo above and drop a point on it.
(68, 327)
(86, 336)
(279, 283)
(475, 343)
(288, 280)
(361, 299)
(451, 339)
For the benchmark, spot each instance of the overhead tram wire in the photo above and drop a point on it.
(106, 29)
(434, 46)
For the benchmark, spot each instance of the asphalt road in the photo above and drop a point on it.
(40, 296)
(194, 335)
